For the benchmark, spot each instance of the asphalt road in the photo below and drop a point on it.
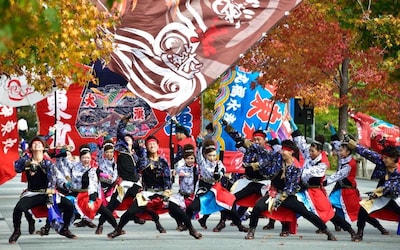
(147, 237)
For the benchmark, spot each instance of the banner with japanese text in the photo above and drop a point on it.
(247, 107)
(9, 142)
(171, 51)
(82, 113)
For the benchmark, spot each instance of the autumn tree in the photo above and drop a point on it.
(49, 40)
(311, 55)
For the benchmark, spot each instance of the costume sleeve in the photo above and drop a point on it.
(339, 175)
(19, 165)
(380, 169)
(143, 163)
(391, 187)
(292, 180)
(301, 143)
(179, 154)
(51, 174)
(166, 174)
(318, 170)
(335, 141)
(270, 164)
(93, 187)
(121, 134)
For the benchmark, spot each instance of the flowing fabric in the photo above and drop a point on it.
(83, 203)
(54, 215)
(217, 199)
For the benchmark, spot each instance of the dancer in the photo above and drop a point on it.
(41, 176)
(285, 175)
(210, 188)
(154, 198)
(387, 194)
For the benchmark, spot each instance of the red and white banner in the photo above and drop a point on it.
(9, 142)
(375, 133)
(171, 51)
(83, 113)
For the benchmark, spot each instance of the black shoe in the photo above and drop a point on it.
(90, 224)
(160, 228)
(202, 222)
(138, 220)
(14, 237)
(243, 228)
(284, 234)
(383, 230)
(250, 234)
(65, 232)
(117, 232)
(81, 223)
(193, 232)
(330, 235)
(221, 225)
(269, 226)
(44, 230)
(99, 229)
(31, 227)
(181, 228)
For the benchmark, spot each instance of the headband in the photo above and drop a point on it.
(84, 149)
(317, 142)
(189, 151)
(108, 144)
(259, 134)
(210, 147)
(287, 149)
(151, 140)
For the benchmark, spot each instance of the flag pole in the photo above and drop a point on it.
(270, 115)
(171, 151)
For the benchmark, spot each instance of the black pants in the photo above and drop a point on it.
(251, 188)
(337, 220)
(290, 203)
(363, 215)
(176, 212)
(114, 202)
(107, 215)
(26, 203)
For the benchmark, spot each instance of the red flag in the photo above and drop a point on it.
(171, 51)
(233, 161)
(375, 133)
(9, 142)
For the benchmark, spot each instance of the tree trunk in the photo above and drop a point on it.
(343, 92)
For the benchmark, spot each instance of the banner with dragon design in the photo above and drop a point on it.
(171, 51)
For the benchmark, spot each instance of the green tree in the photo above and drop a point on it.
(58, 36)
(312, 56)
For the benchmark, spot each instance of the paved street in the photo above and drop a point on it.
(147, 237)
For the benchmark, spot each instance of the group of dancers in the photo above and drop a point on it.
(283, 180)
